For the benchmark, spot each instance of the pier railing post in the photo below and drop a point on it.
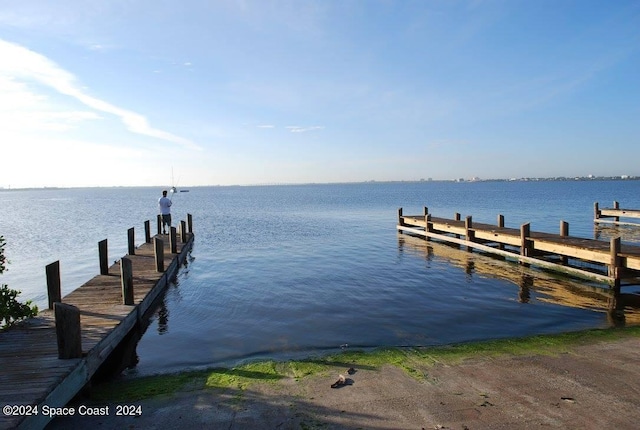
(126, 273)
(190, 223)
(500, 225)
(616, 206)
(183, 231)
(147, 231)
(614, 266)
(131, 241)
(400, 220)
(103, 257)
(159, 219)
(596, 212)
(158, 250)
(53, 283)
(564, 232)
(525, 243)
(172, 240)
(428, 226)
(67, 319)
(470, 234)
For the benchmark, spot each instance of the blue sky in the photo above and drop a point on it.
(265, 91)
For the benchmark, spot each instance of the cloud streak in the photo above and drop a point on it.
(298, 129)
(20, 63)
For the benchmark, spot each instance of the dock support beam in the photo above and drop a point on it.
(103, 257)
(616, 206)
(68, 330)
(53, 283)
(400, 221)
(159, 219)
(126, 272)
(596, 211)
(190, 223)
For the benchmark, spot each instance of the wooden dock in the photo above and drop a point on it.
(612, 215)
(606, 262)
(34, 378)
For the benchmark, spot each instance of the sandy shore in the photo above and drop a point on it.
(594, 386)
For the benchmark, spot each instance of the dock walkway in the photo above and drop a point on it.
(612, 215)
(33, 379)
(608, 262)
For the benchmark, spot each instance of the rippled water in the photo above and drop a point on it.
(290, 271)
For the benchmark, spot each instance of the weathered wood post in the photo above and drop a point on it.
(564, 232)
(470, 234)
(172, 240)
(456, 217)
(596, 212)
(68, 330)
(501, 225)
(147, 231)
(183, 231)
(131, 240)
(159, 219)
(126, 274)
(158, 250)
(616, 206)
(190, 223)
(427, 222)
(614, 265)
(525, 243)
(103, 257)
(400, 220)
(428, 226)
(53, 283)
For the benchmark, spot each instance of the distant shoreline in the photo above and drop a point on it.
(459, 180)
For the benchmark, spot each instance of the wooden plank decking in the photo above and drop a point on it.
(615, 260)
(31, 373)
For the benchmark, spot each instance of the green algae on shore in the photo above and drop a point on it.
(414, 361)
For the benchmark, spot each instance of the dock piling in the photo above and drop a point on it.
(614, 265)
(470, 234)
(103, 257)
(67, 318)
(183, 231)
(126, 273)
(131, 241)
(147, 231)
(53, 283)
(190, 223)
(158, 251)
(564, 232)
(525, 242)
(159, 219)
(400, 220)
(172, 240)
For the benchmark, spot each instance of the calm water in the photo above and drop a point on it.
(293, 271)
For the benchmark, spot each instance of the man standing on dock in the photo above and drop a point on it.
(165, 211)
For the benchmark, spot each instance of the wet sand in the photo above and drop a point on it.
(594, 386)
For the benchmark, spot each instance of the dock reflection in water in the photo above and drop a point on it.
(628, 234)
(621, 308)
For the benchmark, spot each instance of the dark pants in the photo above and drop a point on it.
(166, 220)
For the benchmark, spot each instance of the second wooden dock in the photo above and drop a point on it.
(608, 262)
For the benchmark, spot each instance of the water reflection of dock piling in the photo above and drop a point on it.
(620, 308)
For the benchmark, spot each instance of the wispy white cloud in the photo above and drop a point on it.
(299, 129)
(23, 65)
(267, 126)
